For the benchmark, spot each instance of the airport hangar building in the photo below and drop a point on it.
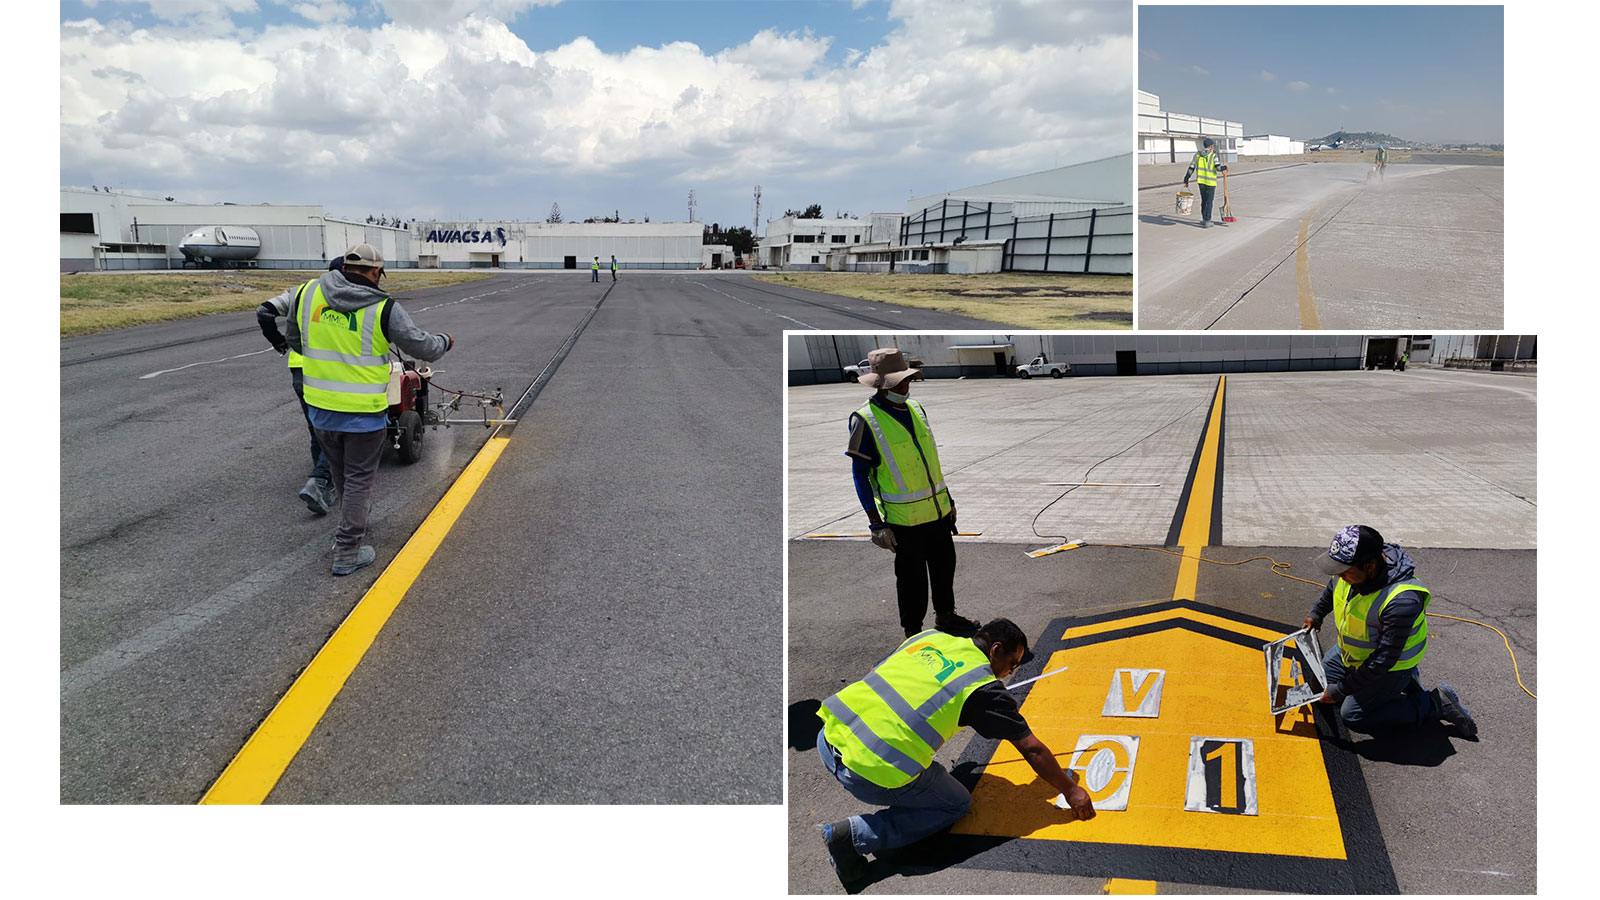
(112, 230)
(1169, 137)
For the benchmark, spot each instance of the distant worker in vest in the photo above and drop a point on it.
(1383, 160)
(879, 736)
(895, 464)
(594, 271)
(1204, 168)
(347, 324)
(1380, 609)
(318, 495)
(613, 268)
(1404, 355)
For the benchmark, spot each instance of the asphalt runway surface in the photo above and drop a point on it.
(1321, 246)
(622, 553)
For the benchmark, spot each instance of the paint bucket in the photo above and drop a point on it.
(1185, 203)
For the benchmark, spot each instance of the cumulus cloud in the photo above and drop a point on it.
(323, 11)
(1332, 91)
(1267, 76)
(1151, 55)
(1297, 85)
(447, 91)
(1199, 71)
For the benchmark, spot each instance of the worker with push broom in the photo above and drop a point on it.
(1203, 169)
(879, 736)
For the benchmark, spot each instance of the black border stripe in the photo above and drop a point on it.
(1366, 869)
(1193, 605)
(1194, 467)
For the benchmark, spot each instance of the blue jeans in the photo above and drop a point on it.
(1395, 700)
(596, 274)
(931, 803)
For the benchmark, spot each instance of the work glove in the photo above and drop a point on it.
(953, 521)
(1223, 169)
(883, 536)
(283, 349)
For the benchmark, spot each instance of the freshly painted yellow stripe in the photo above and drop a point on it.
(250, 777)
(1302, 278)
(1129, 886)
(1192, 615)
(1196, 530)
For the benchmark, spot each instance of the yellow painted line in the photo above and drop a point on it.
(1192, 615)
(250, 777)
(1129, 886)
(1196, 530)
(1302, 277)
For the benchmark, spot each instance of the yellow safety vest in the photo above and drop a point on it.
(907, 484)
(594, 266)
(1358, 619)
(887, 726)
(345, 364)
(1205, 169)
(294, 358)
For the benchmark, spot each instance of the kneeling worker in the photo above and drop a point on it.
(879, 736)
(346, 325)
(1380, 609)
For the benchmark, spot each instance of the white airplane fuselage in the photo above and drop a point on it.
(221, 243)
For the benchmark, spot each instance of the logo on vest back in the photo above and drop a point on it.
(937, 662)
(330, 316)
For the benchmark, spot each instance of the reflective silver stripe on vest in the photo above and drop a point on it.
(368, 323)
(897, 758)
(948, 692)
(336, 356)
(914, 496)
(898, 705)
(1357, 642)
(305, 316)
(348, 387)
(884, 453)
(1414, 652)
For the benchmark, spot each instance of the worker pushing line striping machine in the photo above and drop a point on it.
(410, 412)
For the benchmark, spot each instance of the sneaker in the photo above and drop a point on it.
(330, 494)
(1206, 224)
(313, 497)
(1451, 710)
(364, 557)
(847, 863)
(961, 626)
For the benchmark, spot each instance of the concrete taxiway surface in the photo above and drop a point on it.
(1423, 813)
(624, 547)
(1321, 246)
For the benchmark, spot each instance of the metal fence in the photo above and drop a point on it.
(1094, 241)
(1099, 242)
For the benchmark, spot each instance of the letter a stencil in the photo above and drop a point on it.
(1135, 693)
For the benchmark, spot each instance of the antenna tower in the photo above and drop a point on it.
(691, 206)
(755, 230)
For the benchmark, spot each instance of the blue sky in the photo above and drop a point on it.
(1428, 73)
(495, 109)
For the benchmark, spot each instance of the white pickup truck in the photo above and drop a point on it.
(1043, 366)
(854, 373)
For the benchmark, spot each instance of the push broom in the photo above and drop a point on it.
(1227, 214)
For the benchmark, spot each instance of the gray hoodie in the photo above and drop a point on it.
(1395, 626)
(345, 295)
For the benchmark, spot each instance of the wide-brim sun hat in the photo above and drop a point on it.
(889, 369)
